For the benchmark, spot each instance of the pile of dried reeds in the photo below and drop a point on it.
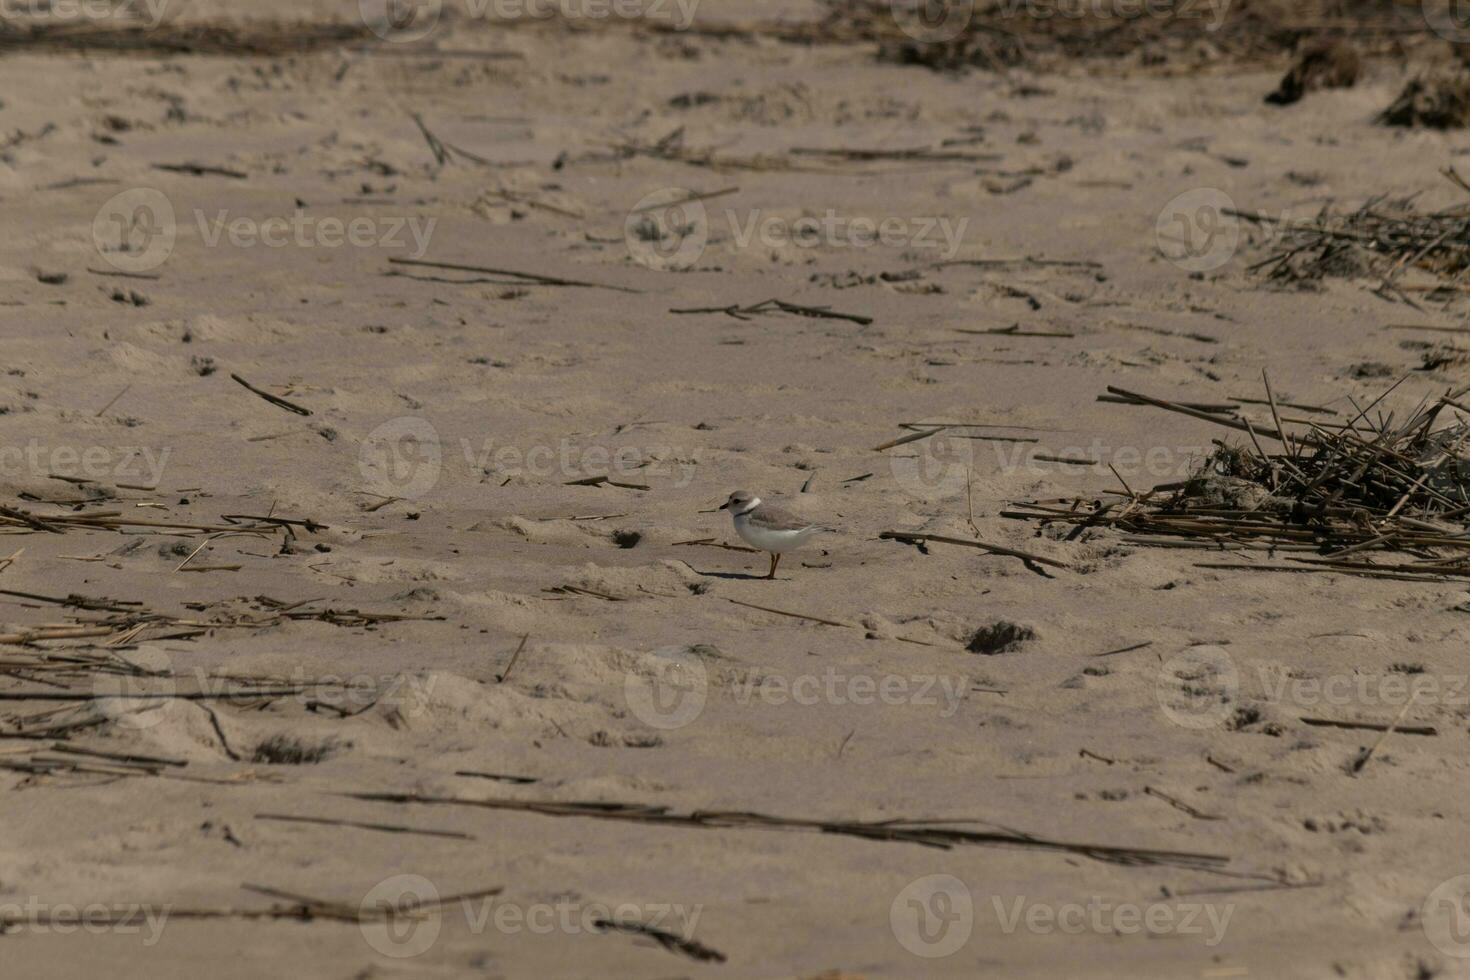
(1381, 239)
(995, 33)
(1007, 32)
(1434, 100)
(1339, 498)
(72, 665)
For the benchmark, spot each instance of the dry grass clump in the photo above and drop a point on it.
(1155, 35)
(1383, 238)
(288, 750)
(1323, 63)
(1434, 100)
(1339, 497)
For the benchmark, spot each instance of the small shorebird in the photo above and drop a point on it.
(768, 527)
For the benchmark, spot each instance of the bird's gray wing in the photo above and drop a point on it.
(773, 518)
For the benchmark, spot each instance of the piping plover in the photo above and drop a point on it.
(768, 527)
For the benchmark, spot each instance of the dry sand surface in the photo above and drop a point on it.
(396, 578)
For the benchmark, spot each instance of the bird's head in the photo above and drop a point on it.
(741, 502)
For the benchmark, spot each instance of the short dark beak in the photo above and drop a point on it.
(724, 506)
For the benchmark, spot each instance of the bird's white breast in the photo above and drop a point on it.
(767, 539)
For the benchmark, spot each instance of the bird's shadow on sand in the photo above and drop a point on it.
(749, 576)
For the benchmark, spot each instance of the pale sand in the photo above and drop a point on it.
(709, 403)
